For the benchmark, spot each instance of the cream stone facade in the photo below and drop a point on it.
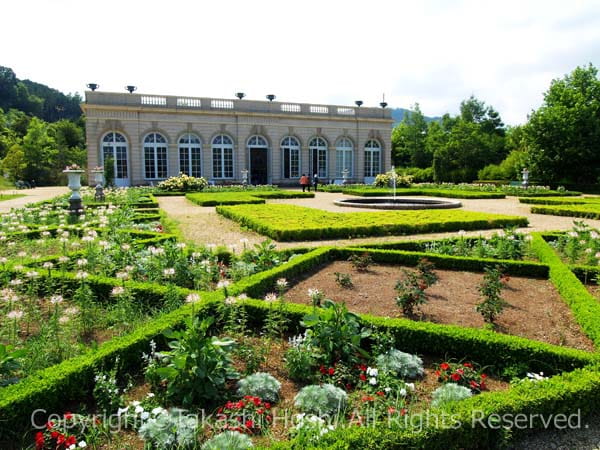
(152, 137)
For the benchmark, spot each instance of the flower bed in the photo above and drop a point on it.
(296, 223)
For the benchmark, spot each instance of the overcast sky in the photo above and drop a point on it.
(434, 52)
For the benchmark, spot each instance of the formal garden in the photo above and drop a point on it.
(117, 333)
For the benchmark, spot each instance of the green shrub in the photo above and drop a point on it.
(321, 400)
(228, 440)
(587, 211)
(262, 385)
(449, 392)
(170, 430)
(404, 365)
(183, 183)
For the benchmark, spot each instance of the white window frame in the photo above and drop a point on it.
(319, 145)
(372, 146)
(291, 144)
(222, 148)
(155, 146)
(193, 145)
(344, 157)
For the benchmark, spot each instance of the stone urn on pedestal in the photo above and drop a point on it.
(74, 173)
(98, 173)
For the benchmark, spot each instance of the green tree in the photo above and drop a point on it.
(14, 164)
(563, 135)
(40, 152)
(408, 140)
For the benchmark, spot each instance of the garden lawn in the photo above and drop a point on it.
(4, 197)
(296, 223)
(239, 198)
(585, 210)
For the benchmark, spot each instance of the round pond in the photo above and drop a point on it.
(398, 203)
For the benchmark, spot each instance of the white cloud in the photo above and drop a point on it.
(433, 52)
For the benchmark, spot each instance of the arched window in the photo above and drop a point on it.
(343, 157)
(290, 154)
(190, 155)
(372, 158)
(257, 141)
(318, 157)
(114, 145)
(155, 156)
(222, 156)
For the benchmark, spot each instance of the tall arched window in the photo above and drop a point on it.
(114, 145)
(343, 157)
(257, 141)
(190, 155)
(372, 158)
(318, 157)
(222, 156)
(290, 154)
(155, 156)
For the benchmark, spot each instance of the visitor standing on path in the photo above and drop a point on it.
(304, 182)
(316, 181)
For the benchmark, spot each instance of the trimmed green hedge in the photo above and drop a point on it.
(560, 200)
(240, 198)
(586, 211)
(585, 307)
(469, 264)
(375, 192)
(296, 223)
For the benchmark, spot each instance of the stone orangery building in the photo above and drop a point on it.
(153, 137)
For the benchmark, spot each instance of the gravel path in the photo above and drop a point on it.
(204, 225)
(31, 196)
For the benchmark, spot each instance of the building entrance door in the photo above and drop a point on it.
(258, 166)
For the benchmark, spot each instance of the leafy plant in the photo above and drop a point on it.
(183, 183)
(336, 332)
(230, 440)
(107, 394)
(449, 392)
(344, 280)
(170, 429)
(321, 400)
(261, 385)
(308, 429)
(9, 364)
(252, 356)
(411, 292)
(197, 366)
(491, 287)
(463, 374)
(301, 358)
(361, 262)
(404, 365)
(425, 269)
(250, 415)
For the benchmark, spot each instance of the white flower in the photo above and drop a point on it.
(16, 282)
(372, 371)
(181, 245)
(125, 247)
(145, 415)
(169, 272)
(117, 290)
(122, 275)
(81, 275)
(22, 254)
(410, 386)
(72, 311)
(242, 297)
(47, 265)
(3, 260)
(192, 298)
(15, 315)
(158, 410)
(63, 319)
(82, 262)
(151, 394)
(63, 259)
(222, 284)
(82, 444)
(403, 392)
(135, 403)
(32, 274)
(271, 297)
(56, 299)
(373, 381)
(230, 301)
(281, 283)
(139, 409)
(120, 411)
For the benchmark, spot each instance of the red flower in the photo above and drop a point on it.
(437, 373)
(391, 410)
(322, 369)
(403, 412)
(60, 439)
(54, 434)
(40, 440)
(49, 425)
(460, 371)
(380, 393)
(70, 441)
(474, 384)
(363, 377)
(269, 418)
(363, 367)
(68, 415)
(455, 376)
(249, 424)
(367, 398)
(256, 401)
(468, 365)
(483, 376)
(331, 371)
(444, 366)
(267, 405)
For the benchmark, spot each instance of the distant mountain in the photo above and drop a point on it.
(36, 99)
(398, 115)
